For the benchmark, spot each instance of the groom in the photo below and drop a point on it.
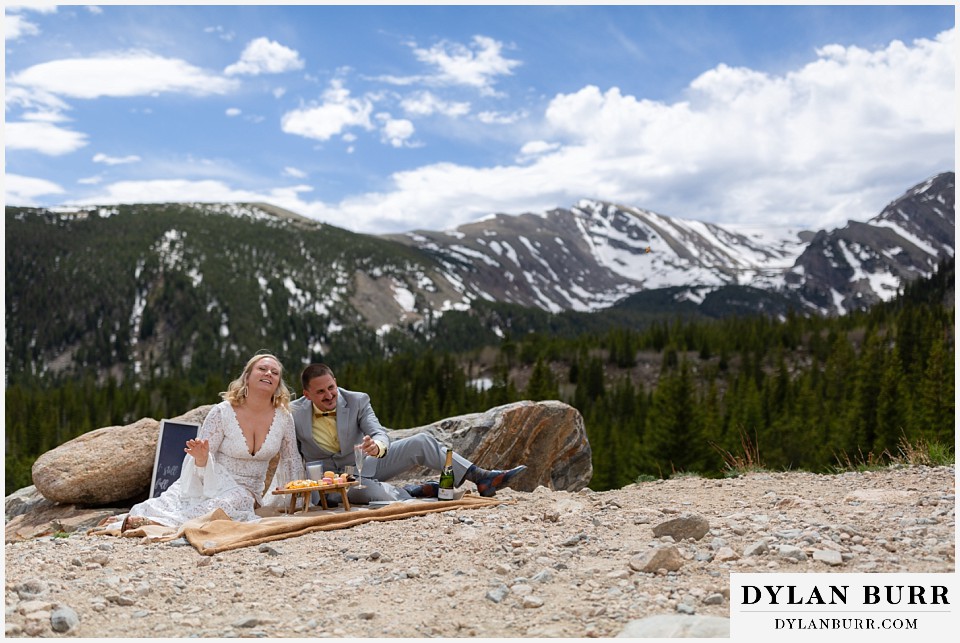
(330, 420)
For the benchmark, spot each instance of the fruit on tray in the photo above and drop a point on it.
(326, 481)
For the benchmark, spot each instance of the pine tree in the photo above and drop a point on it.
(675, 440)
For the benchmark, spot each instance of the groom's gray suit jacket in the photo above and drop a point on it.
(355, 418)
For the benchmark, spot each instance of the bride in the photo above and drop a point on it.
(226, 464)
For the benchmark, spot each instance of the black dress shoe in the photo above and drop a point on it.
(488, 485)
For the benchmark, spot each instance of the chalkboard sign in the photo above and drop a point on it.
(169, 459)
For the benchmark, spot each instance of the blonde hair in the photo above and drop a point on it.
(236, 392)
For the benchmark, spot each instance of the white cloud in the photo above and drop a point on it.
(131, 73)
(426, 103)
(395, 131)
(812, 147)
(536, 148)
(264, 56)
(22, 190)
(294, 172)
(221, 32)
(853, 127)
(338, 112)
(43, 137)
(498, 118)
(45, 116)
(115, 160)
(233, 111)
(476, 65)
(751, 147)
(33, 99)
(184, 190)
(16, 26)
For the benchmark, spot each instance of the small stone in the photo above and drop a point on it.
(64, 619)
(726, 554)
(121, 599)
(532, 602)
(677, 626)
(498, 593)
(31, 588)
(757, 548)
(574, 540)
(687, 525)
(828, 556)
(792, 552)
(667, 558)
(503, 569)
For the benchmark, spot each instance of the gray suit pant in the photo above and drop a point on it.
(421, 450)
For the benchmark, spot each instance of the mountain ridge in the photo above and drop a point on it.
(157, 288)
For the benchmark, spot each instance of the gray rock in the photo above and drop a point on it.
(31, 588)
(498, 593)
(103, 466)
(828, 556)
(532, 602)
(667, 558)
(726, 554)
(757, 548)
(677, 626)
(792, 552)
(499, 437)
(686, 525)
(64, 619)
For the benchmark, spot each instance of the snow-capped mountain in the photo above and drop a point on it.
(854, 267)
(161, 287)
(596, 253)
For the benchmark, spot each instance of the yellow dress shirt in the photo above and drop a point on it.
(325, 433)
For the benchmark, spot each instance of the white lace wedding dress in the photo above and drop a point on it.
(233, 479)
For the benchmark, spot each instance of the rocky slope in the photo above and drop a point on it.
(153, 288)
(542, 564)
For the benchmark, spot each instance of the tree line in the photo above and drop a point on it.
(795, 393)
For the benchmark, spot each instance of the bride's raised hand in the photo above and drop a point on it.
(199, 449)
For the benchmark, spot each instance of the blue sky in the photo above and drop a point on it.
(389, 118)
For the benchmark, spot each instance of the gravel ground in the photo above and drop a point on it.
(542, 564)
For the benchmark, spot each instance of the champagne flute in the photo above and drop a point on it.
(359, 455)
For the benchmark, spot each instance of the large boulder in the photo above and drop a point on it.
(28, 515)
(549, 437)
(108, 465)
(114, 464)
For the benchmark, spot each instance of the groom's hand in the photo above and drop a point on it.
(369, 446)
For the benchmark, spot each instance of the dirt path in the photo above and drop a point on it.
(543, 564)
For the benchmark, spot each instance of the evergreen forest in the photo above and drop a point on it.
(666, 396)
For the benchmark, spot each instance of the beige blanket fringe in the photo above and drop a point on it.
(215, 532)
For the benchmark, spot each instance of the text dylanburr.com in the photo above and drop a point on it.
(847, 607)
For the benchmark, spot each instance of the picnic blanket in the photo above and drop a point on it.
(216, 532)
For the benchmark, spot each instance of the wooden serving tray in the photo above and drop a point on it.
(304, 492)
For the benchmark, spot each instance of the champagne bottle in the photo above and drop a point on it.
(445, 492)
